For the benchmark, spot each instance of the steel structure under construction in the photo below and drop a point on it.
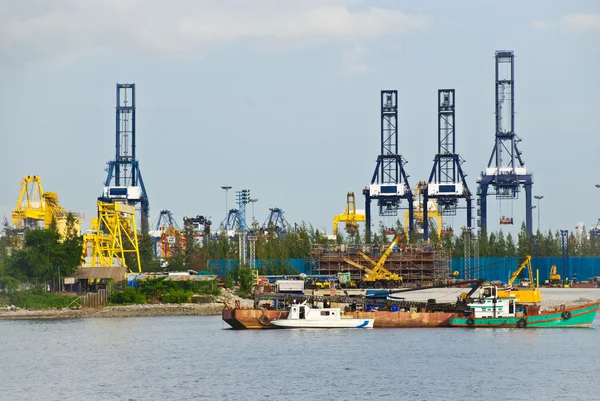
(417, 264)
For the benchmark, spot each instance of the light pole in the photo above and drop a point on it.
(226, 188)
(538, 197)
(253, 201)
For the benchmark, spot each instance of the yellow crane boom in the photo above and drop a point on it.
(525, 295)
(350, 217)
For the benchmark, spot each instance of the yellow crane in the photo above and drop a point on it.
(350, 216)
(112, 236)
(378, 275)
(434, 216)
(34, 206)
(525, 295)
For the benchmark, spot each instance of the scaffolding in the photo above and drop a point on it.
(417, 264)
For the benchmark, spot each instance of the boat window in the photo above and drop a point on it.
(511, 306)
(302, 312)
(324, 313)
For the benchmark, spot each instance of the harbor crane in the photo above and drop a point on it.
(389, 184)
(350, 216)
(124, 181)
(276, 223)
(526, 295)
(35, 207)
(167, 236)
(506, 171)
(447, 182)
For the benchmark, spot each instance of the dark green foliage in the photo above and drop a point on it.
(127, 296)
(177, 296)
(157, 289)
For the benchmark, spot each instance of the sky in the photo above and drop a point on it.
(282, 98)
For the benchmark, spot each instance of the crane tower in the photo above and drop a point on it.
(124, 181)
(506, 170)
(389, 184)
(447, 183)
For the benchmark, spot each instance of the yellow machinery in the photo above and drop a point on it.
(524, 295)
(378, 275)
(350, 217)
(113, 235)
(434, 216)
(554, 277)
(35, 206)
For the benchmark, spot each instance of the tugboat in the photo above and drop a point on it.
(491, 311)
(302, 316)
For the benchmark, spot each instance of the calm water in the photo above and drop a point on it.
(185, 358)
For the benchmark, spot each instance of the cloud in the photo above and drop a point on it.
(353, 61)
(581, 22)
(541, 24)
(64, 31)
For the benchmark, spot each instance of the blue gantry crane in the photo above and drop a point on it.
(389, 184)
(447, 181)
(506, 171)
(276, 223)
(124, 180)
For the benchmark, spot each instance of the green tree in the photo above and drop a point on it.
(72, 247)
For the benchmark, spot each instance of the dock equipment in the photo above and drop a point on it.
(525, 295)
(447, 182)
(417, 264)
(113, 236)
(378, 276)
(350, 216)
(506, 170)
(276, 223)
(167, 236)
(432, 215)
(200, 225)
(37, 208)
(124, 180)
(389, 184)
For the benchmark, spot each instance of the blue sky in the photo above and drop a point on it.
(282, 98)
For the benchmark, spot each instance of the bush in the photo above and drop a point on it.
(127, 296)
(177, 297)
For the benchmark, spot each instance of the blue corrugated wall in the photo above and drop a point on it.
(222, 266)
(579, 268)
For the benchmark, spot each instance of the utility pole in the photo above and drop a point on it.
(538, 197)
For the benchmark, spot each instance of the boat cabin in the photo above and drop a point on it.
(489, 305)
(303, 311)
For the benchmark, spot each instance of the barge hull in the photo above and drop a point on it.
(241, 319)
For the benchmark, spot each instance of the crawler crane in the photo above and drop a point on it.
(378, 275)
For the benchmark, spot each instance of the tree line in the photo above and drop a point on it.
(45, 252)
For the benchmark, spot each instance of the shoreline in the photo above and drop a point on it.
(551, 298)
(145, 310)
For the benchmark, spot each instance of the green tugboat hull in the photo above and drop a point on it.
(580, 316)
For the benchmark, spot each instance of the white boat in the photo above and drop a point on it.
(302, 316)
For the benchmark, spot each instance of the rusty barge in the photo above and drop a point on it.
(241, 319)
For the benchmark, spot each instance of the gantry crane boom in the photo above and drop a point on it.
(350, 216)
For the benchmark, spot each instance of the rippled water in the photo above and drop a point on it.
(188, 358)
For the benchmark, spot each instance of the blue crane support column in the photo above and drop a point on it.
(389, 184)
(124, 180)
(447, 181)
(506, 170)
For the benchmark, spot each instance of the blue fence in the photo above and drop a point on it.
(577, 268)
(222, 266)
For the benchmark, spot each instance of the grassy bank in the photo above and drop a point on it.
(35, 299)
